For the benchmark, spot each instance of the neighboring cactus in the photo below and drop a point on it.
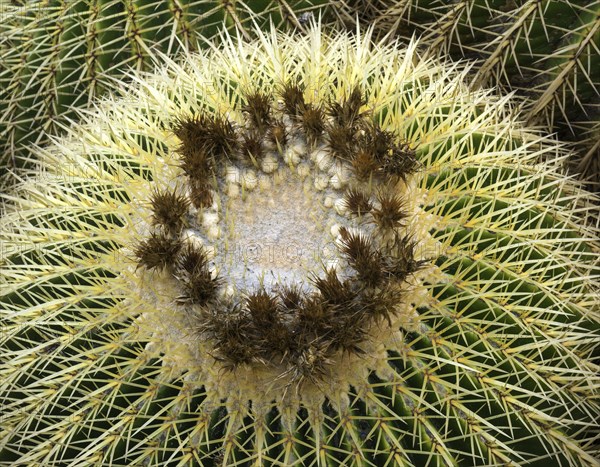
(443, 309)
(56, 55)
(548, 51)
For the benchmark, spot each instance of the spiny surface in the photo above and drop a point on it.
(499, 368)
(548, 51)
(58, 55)
(268, 291)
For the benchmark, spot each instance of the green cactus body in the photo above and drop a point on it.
(546, 50)
(57, 56)
(453, 320)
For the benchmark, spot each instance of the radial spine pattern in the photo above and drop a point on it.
(300, 250)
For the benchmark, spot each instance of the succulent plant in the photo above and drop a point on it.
(56, 56)
(299, 250)
(548, 51)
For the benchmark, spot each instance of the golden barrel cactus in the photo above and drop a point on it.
(299, 250)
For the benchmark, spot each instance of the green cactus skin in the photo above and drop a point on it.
(59, 55)
(98, 369)
(548, 51)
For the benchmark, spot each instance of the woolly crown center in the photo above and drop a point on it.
(277, 237)
(288, 242)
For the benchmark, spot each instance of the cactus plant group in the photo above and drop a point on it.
(442, 308)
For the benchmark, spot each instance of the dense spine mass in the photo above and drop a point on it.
(113, 352)
(285, 327)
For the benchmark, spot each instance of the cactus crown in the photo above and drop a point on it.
(252, 281)
(448, 316)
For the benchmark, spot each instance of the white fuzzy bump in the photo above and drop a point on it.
(328, 203)
(303, 170)
(340, 206)
(209, 219)
(321, 182)
(269, 164)
(233, 190)
(249, 180)
(232, 175)
(295, 151)
(336, 182)
(322, 159)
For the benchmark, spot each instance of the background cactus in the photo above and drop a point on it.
(103, 362)
(56, 55)
(548, 51)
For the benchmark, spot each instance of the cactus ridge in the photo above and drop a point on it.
(100, 366)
